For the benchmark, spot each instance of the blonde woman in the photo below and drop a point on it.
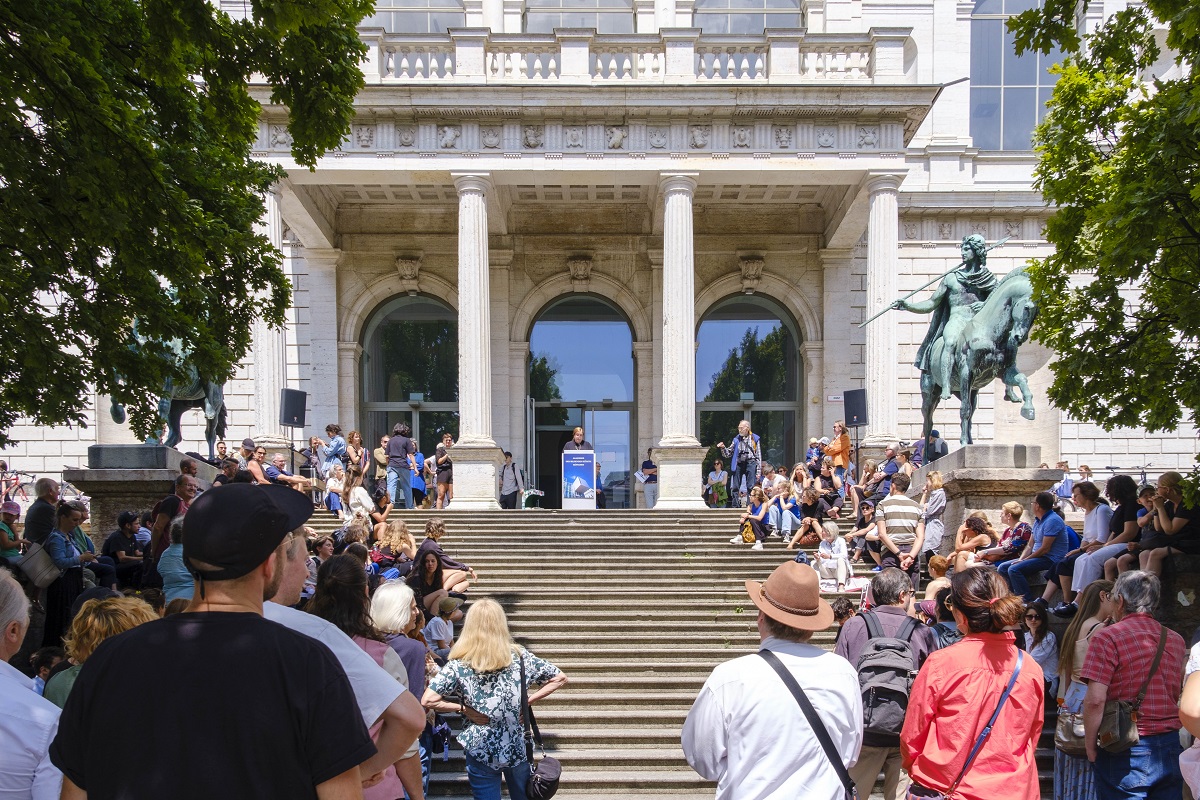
(484, 671)
(933, 503)
(396, 548)
(96, 621)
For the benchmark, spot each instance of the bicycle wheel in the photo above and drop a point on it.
(68, 492)
(24, 493)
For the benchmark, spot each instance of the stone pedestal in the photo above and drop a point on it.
(983, 477)
(475, 484)
(679, 479)
(128, 477)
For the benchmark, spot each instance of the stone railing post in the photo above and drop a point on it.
(680, 45)
(887, 54)
(470, 52)
(575, 54)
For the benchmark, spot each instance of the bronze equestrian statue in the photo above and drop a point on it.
(977, 325)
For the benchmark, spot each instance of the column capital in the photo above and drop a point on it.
(671, 182)
(328, 254)
(472, 182)
(882, 181)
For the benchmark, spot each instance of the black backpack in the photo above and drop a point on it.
(886, 670)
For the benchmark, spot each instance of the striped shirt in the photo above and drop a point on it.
(902, 514)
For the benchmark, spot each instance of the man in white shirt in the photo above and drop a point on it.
(746, 731)
(380, 694)
(28, 721)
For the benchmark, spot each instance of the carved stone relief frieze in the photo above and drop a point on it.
(448, 136)
(573, 136)
(279, 136)
(490, 137)
(868, 137)
(364, 136)
(911, 230)
(783, 137)
(534, 136)
(408, 267)
(406, 135)
(945, 230)
(699, 136)
(580, 268)
(826, 138)
(742, 136)
(1012, 228)
(658, 138)
(615, 136)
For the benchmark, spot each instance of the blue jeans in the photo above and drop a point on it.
(399, 484)
(1149, 769)
(784, 522)
(485, 781)
(840, 472)
(1017, 574)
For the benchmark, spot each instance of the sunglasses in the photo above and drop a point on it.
(1032, 617)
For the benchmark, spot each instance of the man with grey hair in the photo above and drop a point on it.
(28, 721)
(892, 592)
(1136, 654)
(39, 519)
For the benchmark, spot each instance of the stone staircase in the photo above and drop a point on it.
(636, 607)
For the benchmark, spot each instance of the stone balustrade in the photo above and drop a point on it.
(673, 56)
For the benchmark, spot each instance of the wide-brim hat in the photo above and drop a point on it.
(792, 595)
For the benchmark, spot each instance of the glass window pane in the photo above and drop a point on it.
(587, 349)
(540, 22)
(793, 5)
(615, 23)
(745, 23)
(440, 21)
(1020, 111)
(744, 346)
(985, 118)
(1017, 6)
(988, 7)
(1043, 98)
(431, 427)
(411, 346)
(777, 429)
(1018, 71)
(986, 42)
(712, 23)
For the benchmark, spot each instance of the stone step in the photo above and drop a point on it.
(603, 783)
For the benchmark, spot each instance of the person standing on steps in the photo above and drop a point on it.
(650, 487)
(401, 450)
(512, 483)
(746, 730)
(745, 460)
(863, 639)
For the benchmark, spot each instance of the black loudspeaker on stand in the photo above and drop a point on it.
(855, 401)
(291, 407)
(856, 407)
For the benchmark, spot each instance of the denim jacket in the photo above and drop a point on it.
(62, 550)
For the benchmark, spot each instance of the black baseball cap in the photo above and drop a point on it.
(236, 526)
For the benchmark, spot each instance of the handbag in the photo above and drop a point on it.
(919, 792)
(38, 566)
(544, 775)
(814, 722)
(748, 535)
(1068, 733)
(1118, 728)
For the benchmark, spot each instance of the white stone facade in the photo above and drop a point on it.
(664, 171)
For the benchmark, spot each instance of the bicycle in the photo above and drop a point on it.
(19, 486)
(1141, 470)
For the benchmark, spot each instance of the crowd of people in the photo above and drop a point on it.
(341, 698)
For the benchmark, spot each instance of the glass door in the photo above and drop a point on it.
(610, 431)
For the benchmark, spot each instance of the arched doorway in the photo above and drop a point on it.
(748, 367)
(581, 373)
(409, 370)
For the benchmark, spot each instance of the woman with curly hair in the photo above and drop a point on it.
(973, 534)
(395, 548)
(96, 621)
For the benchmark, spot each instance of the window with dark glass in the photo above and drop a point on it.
(416, 16)
(1008, 92)
(746, 16)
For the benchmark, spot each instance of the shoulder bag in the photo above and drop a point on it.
(918, 792)
(38, 566)
(544, 776)
(1118, 728)
(814, 722)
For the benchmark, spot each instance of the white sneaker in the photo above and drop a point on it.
(736, 540)
(757, 546)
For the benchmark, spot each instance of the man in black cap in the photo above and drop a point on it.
(253, 710)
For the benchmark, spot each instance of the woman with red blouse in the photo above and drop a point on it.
(958, 689)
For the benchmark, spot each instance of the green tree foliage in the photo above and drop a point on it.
(421, 357)
(543, 385)
(1120, 159)
(126, 129)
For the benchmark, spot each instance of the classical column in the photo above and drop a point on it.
(476, 457)
(270, 348)
(881, 352)
(322, 379)
(679, 455)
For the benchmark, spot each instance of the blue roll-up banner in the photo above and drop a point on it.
(578, 479)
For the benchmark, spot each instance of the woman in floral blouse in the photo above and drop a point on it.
(484, 671)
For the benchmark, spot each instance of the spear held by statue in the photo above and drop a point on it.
(922, 287)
